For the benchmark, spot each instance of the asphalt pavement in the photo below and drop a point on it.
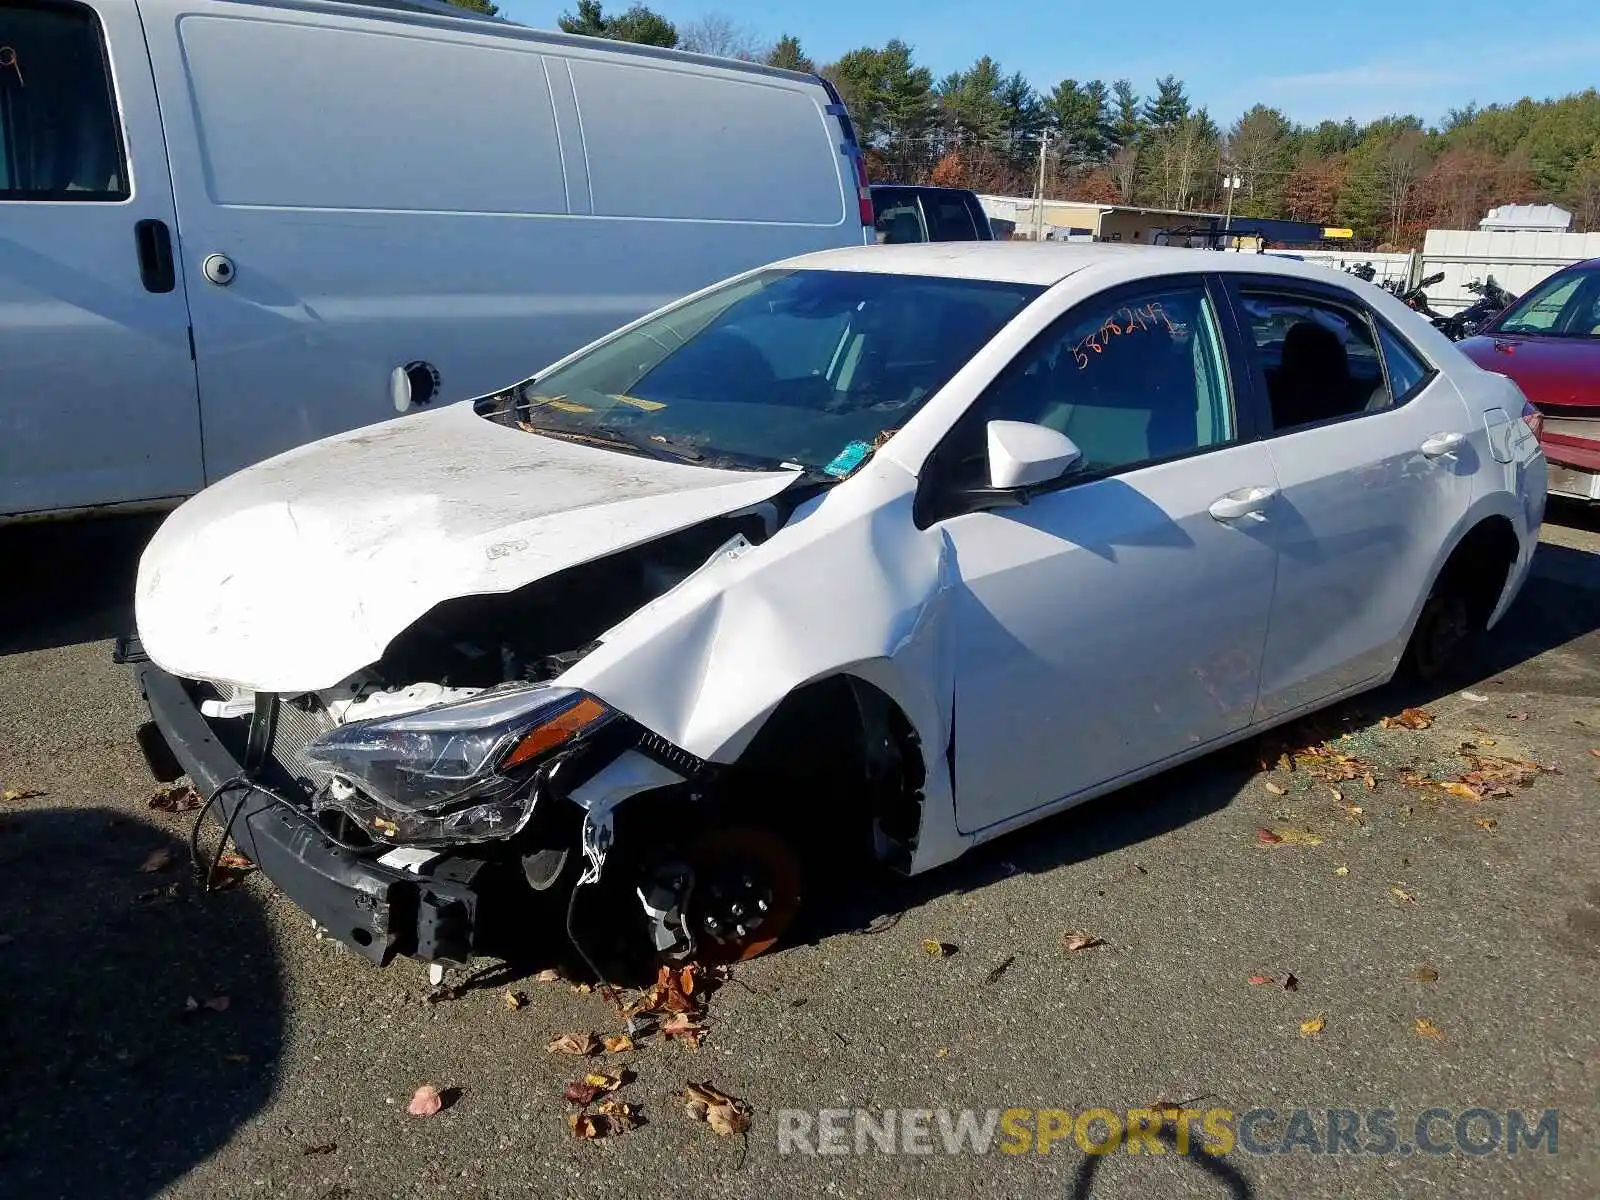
(1444, 948)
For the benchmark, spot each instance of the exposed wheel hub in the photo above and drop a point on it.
(747, 887)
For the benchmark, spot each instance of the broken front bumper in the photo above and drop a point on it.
(376, 910)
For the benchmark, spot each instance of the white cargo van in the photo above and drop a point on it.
(231, 226)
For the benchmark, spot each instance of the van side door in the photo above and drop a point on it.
(98, 399)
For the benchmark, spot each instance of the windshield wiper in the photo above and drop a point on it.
(612, 438)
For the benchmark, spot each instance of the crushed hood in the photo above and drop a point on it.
(292, 574)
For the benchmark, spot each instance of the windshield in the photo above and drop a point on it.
(809, 369)
(1565, 305)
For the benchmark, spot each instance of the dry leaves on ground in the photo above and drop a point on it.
(1314, 1026)
(1402, 895)
(580, 1045)
(686, 1027)
(726, 1115)
(548, 975)
(1486, 822)
(1277, 789)
(939, 949)
(319, 1148)
(1286, 837)
(594, 1085)
(175, 800)
(216, 1004)
(158, 860)
(1076, 941)
(425, 1101)
(1427, 1029)
(611, 1117)
(1341, 870)
(617, 1043)
(12, 795)
(1408, 718)
(515, 1000)
(1260, 979)
(1426, 973)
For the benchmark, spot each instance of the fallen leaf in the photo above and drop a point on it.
(1259, 979)
(1403, 896)
(686, 980)
(1485, 822)
(12, 795)
(584, 1091)
(1277, 789)
(1518, 716)
(158, 860)
(515, 1000)
(617, 1043)
(1341, 870)
(1287, 837)
(725, 1114)
(1463, 790)
(1166, 1110)
(1000, 969)
(619, 1114)
(580, 1044)
(939, 949)
(1073, 942)
(1595, 752)
(235, 862)
(425, 1101)
(683, 1025)
(1475, 697)
(1291, 984)
(548, 975)
(1427, 1029)
(175, 800)
(1413, 778)
(1369, 781)
(1425, 974)
(1314, 1026)
(585, 1126)
(1408, 718)
(320, 1148)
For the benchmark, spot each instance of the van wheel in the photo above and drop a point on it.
(747, 891)
(1445, 632)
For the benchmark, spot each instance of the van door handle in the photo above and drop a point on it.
(154, 246)
(1246, 502)
(1441, 444)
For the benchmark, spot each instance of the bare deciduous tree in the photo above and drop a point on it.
(722, 36)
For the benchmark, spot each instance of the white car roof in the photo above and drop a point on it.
(1042, 263)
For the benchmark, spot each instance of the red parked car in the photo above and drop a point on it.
(1549, 343)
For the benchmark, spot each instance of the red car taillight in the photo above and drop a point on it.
(1533, 418)
(868, 216)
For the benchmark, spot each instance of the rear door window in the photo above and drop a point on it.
(59, 134)
(948, 218)
(1318, 357)
(896, 217)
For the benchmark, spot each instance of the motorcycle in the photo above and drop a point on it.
(1492, 300)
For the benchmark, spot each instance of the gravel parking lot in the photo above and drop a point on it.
(1445, 951)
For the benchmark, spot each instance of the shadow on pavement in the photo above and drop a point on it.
(109, 1086)
(69, 582)
(1226, 1180)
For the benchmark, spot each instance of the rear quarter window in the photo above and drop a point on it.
(678, 144)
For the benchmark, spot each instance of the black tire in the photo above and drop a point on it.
(1446, 632)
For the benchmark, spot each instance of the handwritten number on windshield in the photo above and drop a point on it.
(1124, 320)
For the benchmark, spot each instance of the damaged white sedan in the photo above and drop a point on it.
(869, 556)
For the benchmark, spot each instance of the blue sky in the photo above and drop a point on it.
(1311, 61)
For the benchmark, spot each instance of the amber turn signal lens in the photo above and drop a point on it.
(554, 732)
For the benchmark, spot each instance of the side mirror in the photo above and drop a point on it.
(1023, 455)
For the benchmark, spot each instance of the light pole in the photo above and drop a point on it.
(1231, 183)
(1038, 210)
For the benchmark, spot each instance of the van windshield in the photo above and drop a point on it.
(809, 369)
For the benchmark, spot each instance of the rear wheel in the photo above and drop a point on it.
(1446, 630)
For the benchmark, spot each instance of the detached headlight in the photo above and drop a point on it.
(454, 772)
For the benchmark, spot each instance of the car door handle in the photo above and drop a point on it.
(1441, 444)
(1246, 502)
(153, 244)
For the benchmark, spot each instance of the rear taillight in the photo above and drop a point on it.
(864, 191)
(1533, 418)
